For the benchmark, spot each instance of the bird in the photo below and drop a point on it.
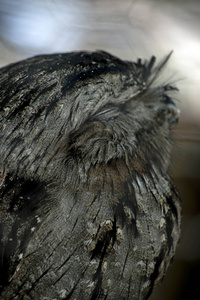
(88, 208)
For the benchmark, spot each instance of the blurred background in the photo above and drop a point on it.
(130, 29)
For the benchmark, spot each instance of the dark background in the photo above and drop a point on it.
(130, 29)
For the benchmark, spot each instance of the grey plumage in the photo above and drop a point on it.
(88, 210)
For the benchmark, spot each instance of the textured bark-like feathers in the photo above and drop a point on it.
(88, 210)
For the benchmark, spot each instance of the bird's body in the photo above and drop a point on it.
(88, 210)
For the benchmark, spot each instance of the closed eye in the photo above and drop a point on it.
(110, 111)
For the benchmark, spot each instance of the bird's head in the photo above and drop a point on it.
(91, 107)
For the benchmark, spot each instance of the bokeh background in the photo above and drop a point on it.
(130, 29)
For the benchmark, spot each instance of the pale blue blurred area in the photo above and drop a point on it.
(129, 29)
(41, 26)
